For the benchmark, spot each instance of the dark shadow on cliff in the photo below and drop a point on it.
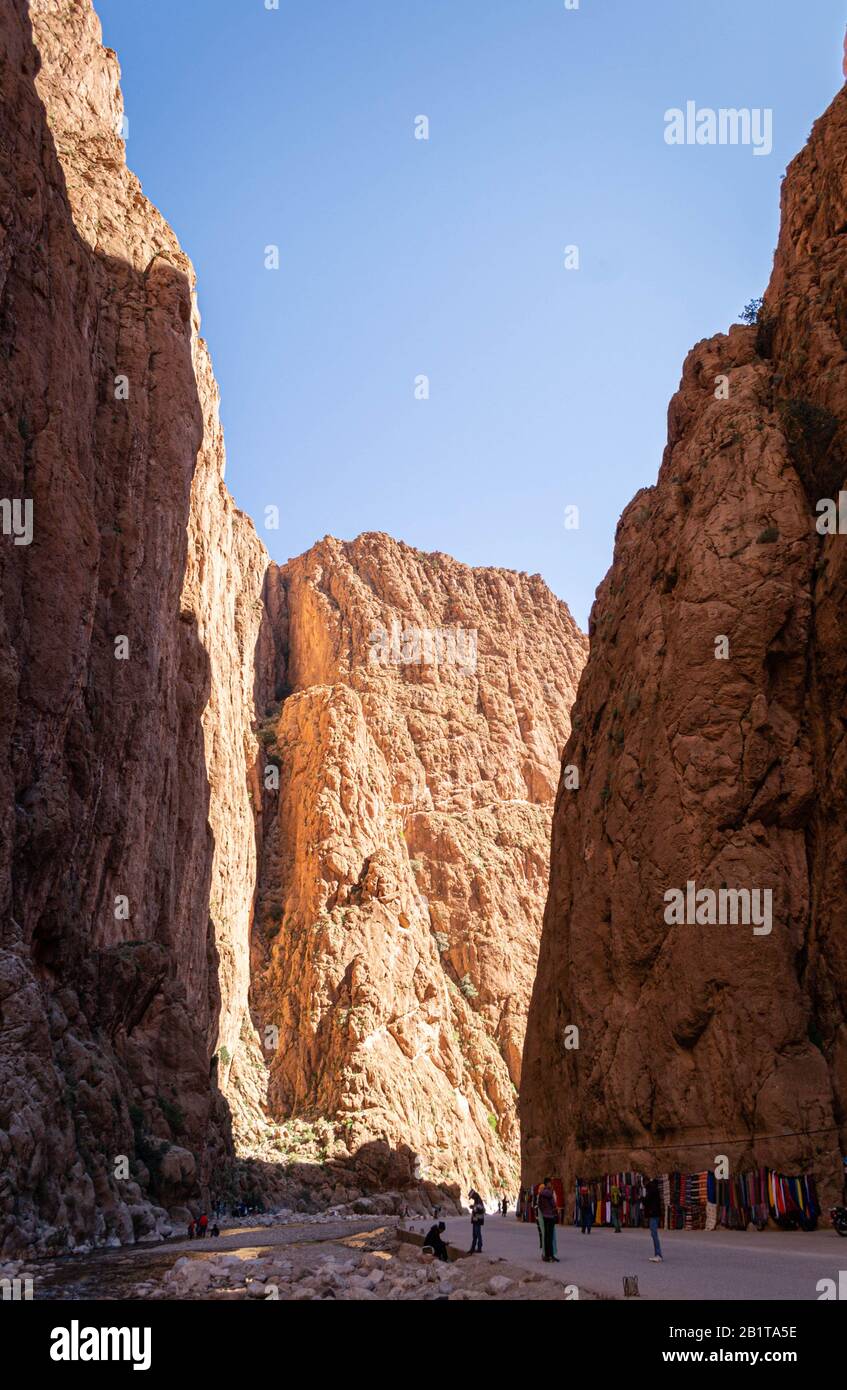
(109, 997)
(375, 1177)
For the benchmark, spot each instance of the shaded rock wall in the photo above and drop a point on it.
(699, 1040)
(127, 846)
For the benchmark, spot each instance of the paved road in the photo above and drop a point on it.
(726, 1265)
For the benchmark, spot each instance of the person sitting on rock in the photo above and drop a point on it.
(434, 1240)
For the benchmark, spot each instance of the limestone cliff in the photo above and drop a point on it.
(709, 731)
(406, 853)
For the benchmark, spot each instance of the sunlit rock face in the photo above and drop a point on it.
(403, 855)
(405, 859)
(709, 730)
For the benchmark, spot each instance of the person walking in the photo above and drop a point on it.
(615, 1203)
(653, 1212)
(548, 1213)
(586, 1210)
(201, 1225)
(192, 1226)
(477, 1219)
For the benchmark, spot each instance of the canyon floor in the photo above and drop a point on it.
(290, 1261)
(698, 1265)
(364, 1260)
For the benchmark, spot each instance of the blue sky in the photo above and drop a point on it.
(401, 257)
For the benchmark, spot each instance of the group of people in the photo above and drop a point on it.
(547, 1217)
(435, 1239)
(200, 1228)
(652, 1210)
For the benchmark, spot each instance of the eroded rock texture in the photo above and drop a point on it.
(127, 845)
(142, 636)
(704, 1040)
(406, 855)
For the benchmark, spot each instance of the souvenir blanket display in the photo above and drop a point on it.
(699, 1195)
(763, 1193)
(631, 1186)
(792, 1197)
(743, 1199)
(702, 1202)
(685, 1200)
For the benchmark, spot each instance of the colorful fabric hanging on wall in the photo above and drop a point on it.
(702, 1202)
(631, 1187)
(792, 1197)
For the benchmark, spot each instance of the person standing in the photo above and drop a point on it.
(586, 1210)
(615, 1203)
(653, 1212)
(477, 1218)
(201, 1225)
(548, 1213)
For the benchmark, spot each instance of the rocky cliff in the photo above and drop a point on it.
(183, 728)
(406, 851)
(709, 731)
(130, 624)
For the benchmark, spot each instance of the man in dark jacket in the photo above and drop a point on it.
(586, 1210)
(653, 1212)
(435, 1241)
(549, 1214)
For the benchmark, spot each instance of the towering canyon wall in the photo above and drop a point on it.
(709, 730)
(127, 844)
(401, 862)
(405, 861)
